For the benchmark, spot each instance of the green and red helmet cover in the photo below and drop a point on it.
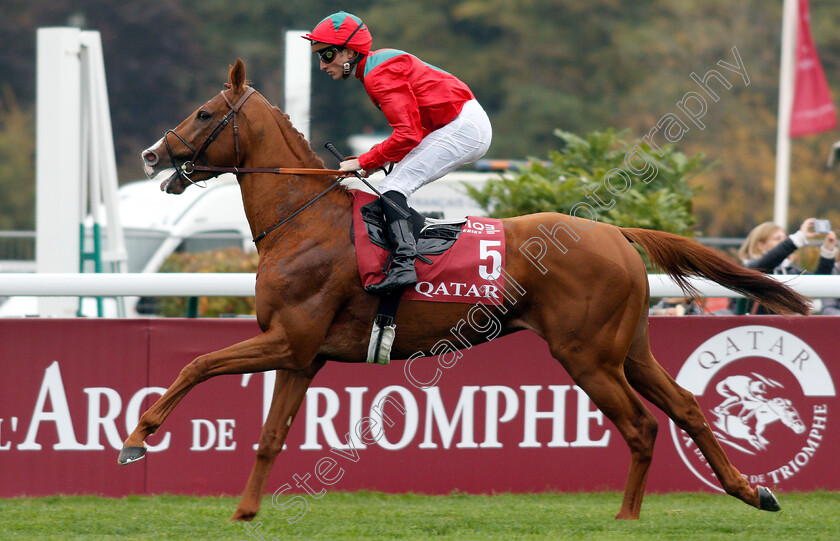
(342, 29)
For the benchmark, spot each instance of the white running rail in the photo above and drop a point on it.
(242, 285)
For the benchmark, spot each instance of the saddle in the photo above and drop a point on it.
(433, 236)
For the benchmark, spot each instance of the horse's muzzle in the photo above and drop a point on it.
(150, 158)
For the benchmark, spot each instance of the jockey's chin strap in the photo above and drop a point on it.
(189, 167)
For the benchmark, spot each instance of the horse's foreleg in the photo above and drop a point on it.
(759, 430)
(289, 390)
(268, 351)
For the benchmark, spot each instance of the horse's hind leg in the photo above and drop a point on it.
(289, 390)
(653, 383)
(267, 351)
(599, 375)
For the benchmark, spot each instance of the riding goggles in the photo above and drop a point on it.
(328, 55)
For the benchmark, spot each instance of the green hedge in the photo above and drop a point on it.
(226, 260)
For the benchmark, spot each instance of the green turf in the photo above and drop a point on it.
(368, 515)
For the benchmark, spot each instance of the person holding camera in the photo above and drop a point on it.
(831, 307)
(769, 250)
(676, 306)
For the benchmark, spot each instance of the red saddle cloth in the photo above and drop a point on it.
(468, 272)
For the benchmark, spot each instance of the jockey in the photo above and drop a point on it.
(743, 390)
(437, 124)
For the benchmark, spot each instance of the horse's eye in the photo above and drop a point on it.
(204, 115)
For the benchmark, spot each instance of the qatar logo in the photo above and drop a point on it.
(765, 394)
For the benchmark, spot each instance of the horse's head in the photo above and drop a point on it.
(201, 140)
(788, 414)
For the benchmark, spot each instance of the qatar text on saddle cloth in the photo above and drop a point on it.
(468, 272)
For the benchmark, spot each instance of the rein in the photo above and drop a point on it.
(270, 170)
(189, 167)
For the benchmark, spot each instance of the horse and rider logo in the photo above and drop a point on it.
(765, 393)
(746, 411)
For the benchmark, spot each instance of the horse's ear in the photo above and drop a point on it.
(236, 78)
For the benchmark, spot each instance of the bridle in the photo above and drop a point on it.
(189, 167)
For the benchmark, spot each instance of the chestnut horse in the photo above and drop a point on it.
(589, 302)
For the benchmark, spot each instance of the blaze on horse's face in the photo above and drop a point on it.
(176, 151)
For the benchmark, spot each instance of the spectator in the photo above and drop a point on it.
(768, 250)
(676, 306)
(831, 307)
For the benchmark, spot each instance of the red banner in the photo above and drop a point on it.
(504, 417)
(813, 110)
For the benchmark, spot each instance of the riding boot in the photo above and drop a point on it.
(403, 248)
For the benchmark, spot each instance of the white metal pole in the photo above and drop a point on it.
(297, 80)
(124, 284)
(104, 160)
(58, 159)
(787, 73)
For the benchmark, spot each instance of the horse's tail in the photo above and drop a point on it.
(682, 258)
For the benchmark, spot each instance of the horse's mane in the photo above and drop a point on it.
(286, 126)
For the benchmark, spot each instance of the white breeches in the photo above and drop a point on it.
(462, 141)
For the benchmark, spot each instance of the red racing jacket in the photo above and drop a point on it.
(416, 98)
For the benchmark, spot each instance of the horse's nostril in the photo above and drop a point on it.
(149, 157)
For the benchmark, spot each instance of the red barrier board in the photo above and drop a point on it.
(504, 417)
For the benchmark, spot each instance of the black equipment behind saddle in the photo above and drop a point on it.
(433, 237)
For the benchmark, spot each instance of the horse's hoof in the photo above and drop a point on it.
(767, 501)
(131, 454)
(242, 516)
